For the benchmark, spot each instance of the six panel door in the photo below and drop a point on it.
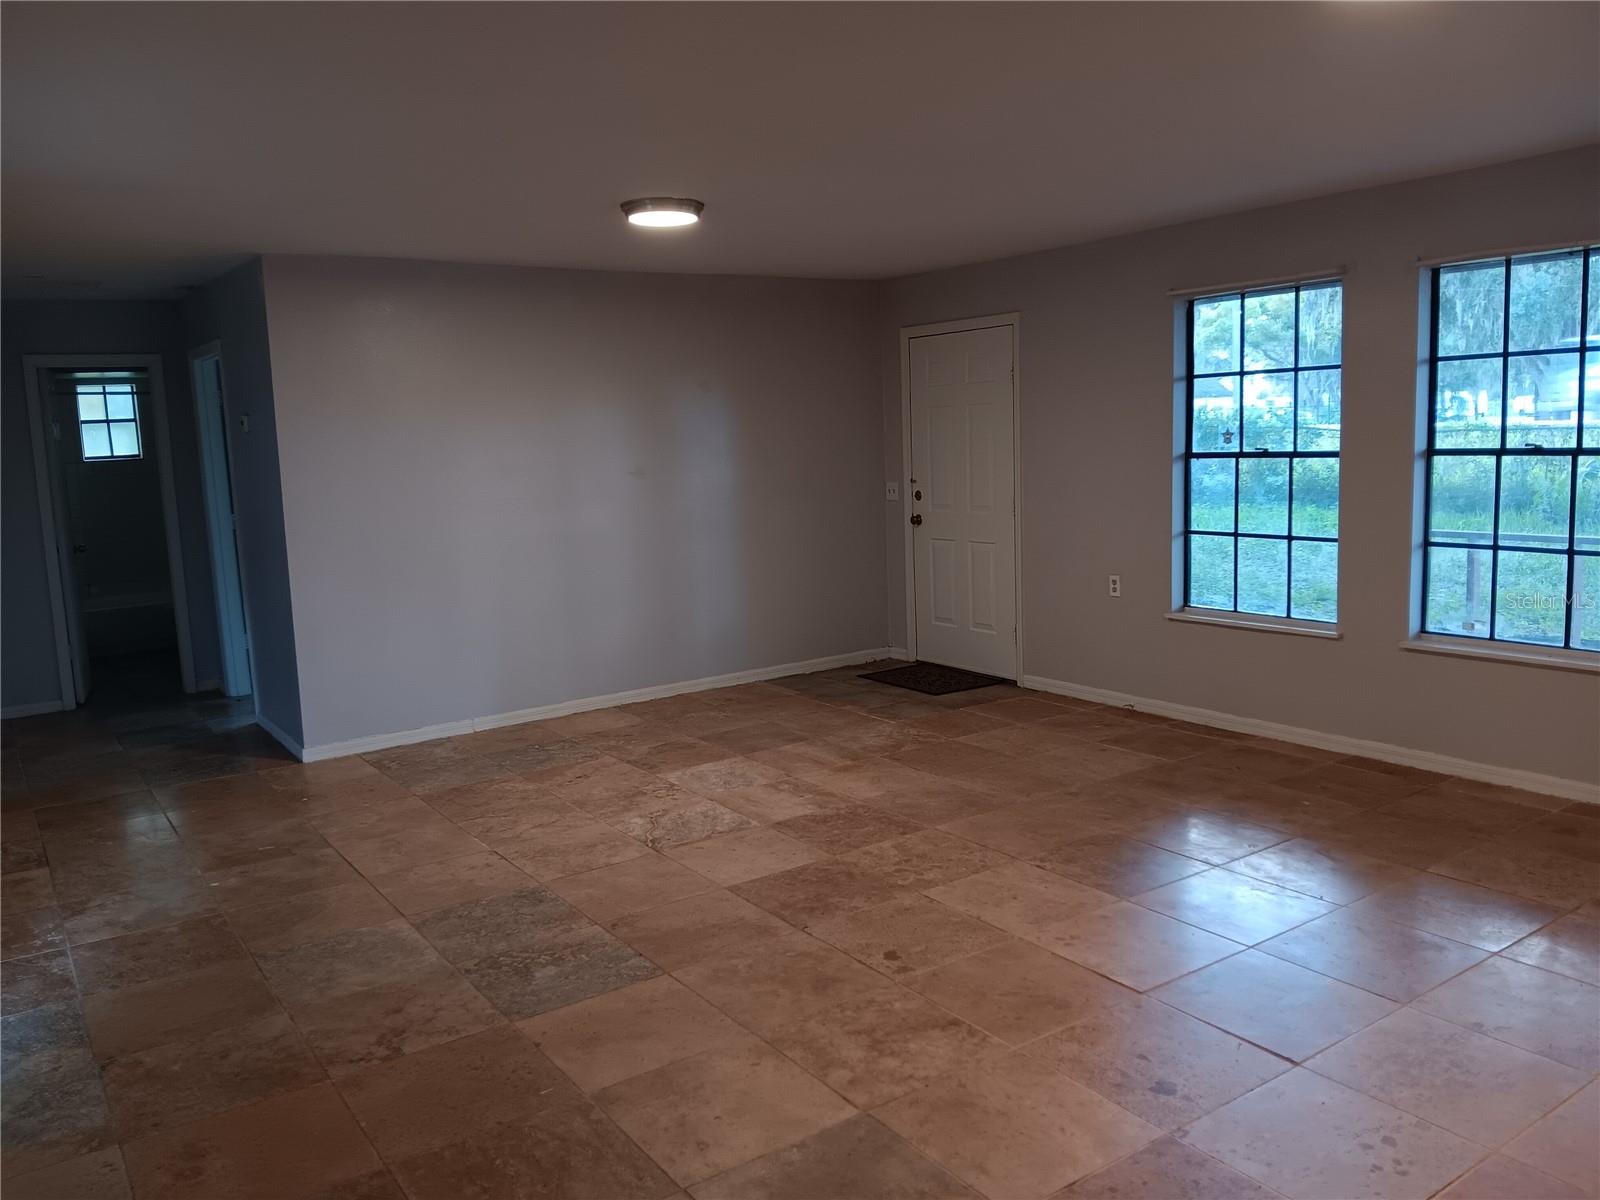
(963, 469)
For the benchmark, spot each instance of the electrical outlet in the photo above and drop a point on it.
(891, 491)
(1114, 585)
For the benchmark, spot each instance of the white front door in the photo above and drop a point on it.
(962, 502)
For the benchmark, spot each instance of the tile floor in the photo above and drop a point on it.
(804, 939)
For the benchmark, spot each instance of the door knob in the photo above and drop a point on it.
(916, 518)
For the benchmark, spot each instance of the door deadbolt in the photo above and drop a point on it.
(917, 495)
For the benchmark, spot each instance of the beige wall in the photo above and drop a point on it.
(508, 488)
(1096, 370)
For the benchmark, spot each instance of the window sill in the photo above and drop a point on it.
(1529, 656)
(1289, 625)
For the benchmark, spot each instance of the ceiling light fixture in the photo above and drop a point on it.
(662, 212)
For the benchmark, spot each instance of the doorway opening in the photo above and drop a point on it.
(114, 564)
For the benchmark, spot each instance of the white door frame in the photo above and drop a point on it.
(907, 332)
(52, 524)
(235, 652)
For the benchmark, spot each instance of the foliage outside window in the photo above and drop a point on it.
(108, 420)
(1261, 463)
(1512, 541)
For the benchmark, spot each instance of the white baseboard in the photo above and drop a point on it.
(282, 738)
(899, 652)
(38, 708)
(383, 741)
(1532, 781)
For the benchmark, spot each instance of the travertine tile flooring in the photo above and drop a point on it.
(806, 939)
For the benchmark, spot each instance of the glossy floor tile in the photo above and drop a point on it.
(1563, 1144)
(1569, 945)
(1380, 956)
(858, 1157)
(1442, 1072)
(629, 1031)
(1538, 1010)
(703, 1115)
(808, 939)
(1501, 1178)
(1157, 1062)
(875, 1047)
(1167, 1168)
(1278, 1005)
(1313, 1139)
(1138, 948)
(1018, 991)
(1016, 1127)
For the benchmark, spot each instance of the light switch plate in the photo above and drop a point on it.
(891, 491)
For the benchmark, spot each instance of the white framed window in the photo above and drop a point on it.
(108, 419)
(1264, 384)
(1511, 533)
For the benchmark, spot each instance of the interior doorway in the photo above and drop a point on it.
(222, 522)
(108, 511)
(960, 421)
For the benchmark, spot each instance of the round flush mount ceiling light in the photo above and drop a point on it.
(662, 212)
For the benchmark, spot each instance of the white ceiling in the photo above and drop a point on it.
(147, 145)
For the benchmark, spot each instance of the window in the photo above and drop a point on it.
(108, 418)
(1261, 463)
(1512, 527)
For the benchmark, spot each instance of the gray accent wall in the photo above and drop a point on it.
(28, 670)
(1097, 368)
(232, 310)
(506, 488)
